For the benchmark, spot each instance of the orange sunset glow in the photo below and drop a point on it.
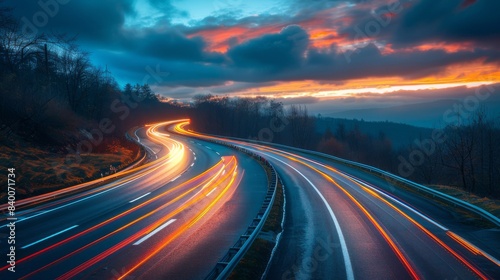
(334, 36)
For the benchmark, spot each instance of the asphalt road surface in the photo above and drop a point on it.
(173, 218)
(342, 223)
(176, 216)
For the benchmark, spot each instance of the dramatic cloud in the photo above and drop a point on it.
(275, 51)
(96, 21)
(450, 21)
(310, 49)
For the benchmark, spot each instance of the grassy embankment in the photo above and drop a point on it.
(41, 170)
(254, 263)
(489, 204)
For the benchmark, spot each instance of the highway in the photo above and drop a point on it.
(185, 207)
(175, 217)
(340, 226)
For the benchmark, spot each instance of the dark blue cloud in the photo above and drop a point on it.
(97, 21)
(282, 56)
(168, 44)
(273, 51)
(450, 21)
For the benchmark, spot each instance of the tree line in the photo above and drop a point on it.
(465, 155)
(48, 86)
(256, 118)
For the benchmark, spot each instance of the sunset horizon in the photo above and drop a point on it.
(374, 54)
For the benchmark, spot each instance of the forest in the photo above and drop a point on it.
(53, 100)
(465, 154)
(46, 76)
(51, 95)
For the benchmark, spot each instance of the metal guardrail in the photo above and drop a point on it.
(450, 199)
(226, 265)
(447, 198)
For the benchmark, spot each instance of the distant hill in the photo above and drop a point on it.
(401, 135)
(427, 114)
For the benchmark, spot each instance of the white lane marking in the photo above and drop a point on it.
(211, 192)
(491, 258)
(175, 178)
(150, 150)
(385, 195)
(374, 189)
(154, 231)
(484, 253)
(194, 153)
(488, 256)
(194, 158)
(192, 164)
(138, 139)
(217, 153)
(204, 186)
(400, 203)
(74, 202)
(134, 200)
(208, 147)
(50, 236)
(343, 246)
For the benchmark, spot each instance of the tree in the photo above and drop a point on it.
(341, 132)
(302, 126)
(147, 94)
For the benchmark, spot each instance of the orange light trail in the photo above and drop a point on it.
(406, 263)
(181, 229)
(145, 231)
(179, 129)
(175, 154)
(473, 249)
(431, 235)
(116, 217)
(426, 231)
(123, 213)
(201, 176)
(421, 227)
(396, 250)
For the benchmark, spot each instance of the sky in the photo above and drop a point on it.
(332, 55)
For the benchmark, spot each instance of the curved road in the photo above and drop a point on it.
(176, 216)
(342, 226)
(184, 208)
